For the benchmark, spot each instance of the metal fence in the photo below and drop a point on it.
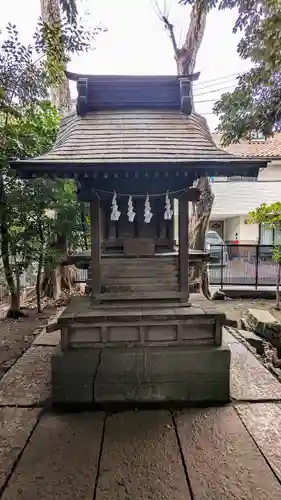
(235, 265)
(242, 265)
(82, 276)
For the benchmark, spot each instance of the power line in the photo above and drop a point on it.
(218, 79)
(234, 82)
(207, 100)
(214, 90)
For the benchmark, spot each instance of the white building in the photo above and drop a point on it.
(236, 197)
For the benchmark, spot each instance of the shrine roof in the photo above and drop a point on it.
(134, 120)
(134, 136)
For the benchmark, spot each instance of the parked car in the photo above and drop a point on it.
(265, 252)
(216, 246)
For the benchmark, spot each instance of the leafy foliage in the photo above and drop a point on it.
(255, 103)
(267, 214)
(28, 127)
(57, 40)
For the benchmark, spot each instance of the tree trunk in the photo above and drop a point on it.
(201, 211)
(51, 286)
(14, 309)
(60, 95)
(84, 225)
(61, 98)
(40, 266)
(38, 283)
(278, 287)
(198, 224)
(58, 277)
(53, 272)
(187, 54)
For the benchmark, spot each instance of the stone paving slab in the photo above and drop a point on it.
(141, 459)
(263, 422)
(228, 338)
(16, 425)
(48, 338)
(60, 461)
(222, 461)
(250, 380)
(52, 323)
(28, 381)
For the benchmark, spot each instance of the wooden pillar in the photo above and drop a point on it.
(183, 247)
(95, 246)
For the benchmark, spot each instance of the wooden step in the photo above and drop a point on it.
(135, 287)
(168, 265)
(136, 275)
(142, 280)
(138, 296)
(138, 270)
(146, 260)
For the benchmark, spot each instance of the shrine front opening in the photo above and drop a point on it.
(132, 146)
(133, 248)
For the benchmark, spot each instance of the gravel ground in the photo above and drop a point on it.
(234, 308)
(16, 336)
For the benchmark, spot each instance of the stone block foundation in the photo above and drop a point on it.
(141, 375)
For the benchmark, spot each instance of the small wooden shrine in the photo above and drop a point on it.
(132, 146)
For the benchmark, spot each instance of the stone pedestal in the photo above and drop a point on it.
(140, 354)
(141, 375)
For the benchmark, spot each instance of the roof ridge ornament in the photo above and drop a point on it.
(186, 82)
(82, 98)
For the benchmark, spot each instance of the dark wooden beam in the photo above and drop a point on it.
(86, 186)
(183, 247)
(193, 194)
(96, 245)
(82, 99)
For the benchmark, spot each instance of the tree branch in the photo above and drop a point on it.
(170, 28)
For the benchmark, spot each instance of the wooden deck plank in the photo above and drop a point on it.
(263, 422)
(60, 461)
(222, 461)
(141, 459)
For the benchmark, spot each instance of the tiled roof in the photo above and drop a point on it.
(239, 198)
(269, 148)
(134, 136)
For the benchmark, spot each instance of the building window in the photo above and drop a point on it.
(269, 235)
(241, 178)
(234, 178)
(257, 135)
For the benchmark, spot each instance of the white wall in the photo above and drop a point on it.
(249, 233)
(272, 172)
(231, 227)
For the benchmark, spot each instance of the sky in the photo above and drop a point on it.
(137, 43)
